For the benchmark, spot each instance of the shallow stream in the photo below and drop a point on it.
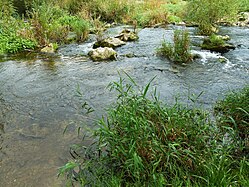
(38, 96)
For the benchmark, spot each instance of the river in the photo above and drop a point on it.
(38, 95)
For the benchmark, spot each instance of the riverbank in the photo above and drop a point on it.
(45, 25)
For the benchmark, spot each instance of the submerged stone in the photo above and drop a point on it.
(127, 35)
(103, 53)
(109, 42)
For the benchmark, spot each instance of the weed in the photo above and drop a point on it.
(178, 52)
(233, 111)
(143, 142)
(207, 13)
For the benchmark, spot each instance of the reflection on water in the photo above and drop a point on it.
(38, 96)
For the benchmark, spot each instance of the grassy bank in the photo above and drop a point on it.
(143, 142)
(35, 24)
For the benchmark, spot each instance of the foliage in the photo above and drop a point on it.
(11, 43)
(234, 112)
(216, 40)
(213, 41)
(145, 143)
(109, 11)
(10, 40)
(6, 9)
(52, 24)
(243, 5)
(178, 52)
(150, 13)
(207, 13)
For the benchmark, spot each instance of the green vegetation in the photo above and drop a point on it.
(143, 142)
(207, 13)
(54, 21)
(234, 112)
(243, 5)
(10, 40)
(12, 43)
(179, 51)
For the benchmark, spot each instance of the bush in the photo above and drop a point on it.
(11, 43)
(52, 24)
(179, 52)
(10, 40)
(207, 13)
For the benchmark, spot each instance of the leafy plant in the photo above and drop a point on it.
(12, 43)
(207, 13)
(243, 5)
(143, 142)
(179, 51)
(234, 112)
(6, 9)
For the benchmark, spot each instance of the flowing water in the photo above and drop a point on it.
(38, 95)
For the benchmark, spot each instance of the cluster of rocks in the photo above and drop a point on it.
(243, 20)
(104, 49)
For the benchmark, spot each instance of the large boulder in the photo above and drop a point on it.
(217, 43)
(103, 53)
(127, 35)
(109, 42)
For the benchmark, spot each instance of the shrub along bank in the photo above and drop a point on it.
(37, 23)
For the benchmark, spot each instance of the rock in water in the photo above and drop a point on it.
(103, 53)
(217, 43)
(109, 42)
(127, 35)
(51, 48)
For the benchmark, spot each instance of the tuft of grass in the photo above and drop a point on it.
(143, 142)
(233, 111)
(207, 13)
(179, 51)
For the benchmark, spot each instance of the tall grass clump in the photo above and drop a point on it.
(233, 112)
(53, 24)
(179, 51)
(142, 142)
(207, 13)
(11, 40)
(149, 13)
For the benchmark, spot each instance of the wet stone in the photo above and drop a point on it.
(127, 35)
(109, 42)
(103, 53)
